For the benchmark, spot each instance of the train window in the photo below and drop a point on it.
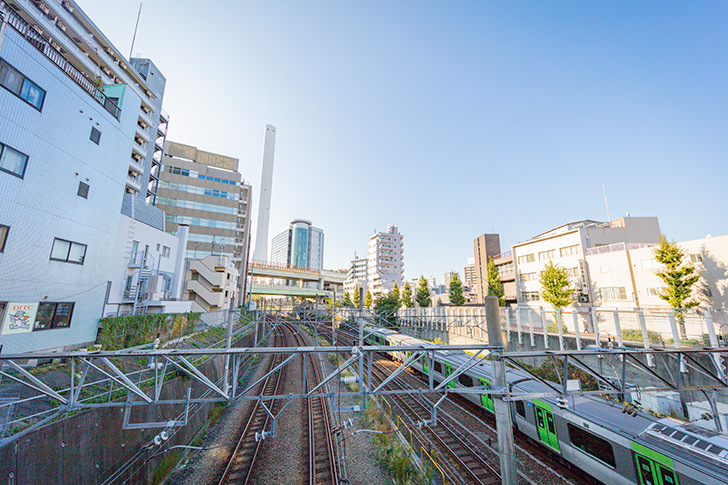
(592, 444)
(438, 367)
(667, 475)
(465, 380)
(521, 409)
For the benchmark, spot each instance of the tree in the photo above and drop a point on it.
(455, 291)
(395, 294)
(423, 293)
(406, 296)
(556, 288)
(357, 298)
(495, 285)
(347, 299)
(368, 299)
(679, 277)
(386, 308)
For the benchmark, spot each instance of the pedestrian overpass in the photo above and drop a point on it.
(293, 281)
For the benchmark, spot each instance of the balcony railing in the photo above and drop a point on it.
(39, 42)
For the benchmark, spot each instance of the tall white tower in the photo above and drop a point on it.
(266, 185)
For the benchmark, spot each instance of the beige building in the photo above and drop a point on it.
(211, 283)
(470, 283)
(507, 275)
(567, 247)
(205, 191)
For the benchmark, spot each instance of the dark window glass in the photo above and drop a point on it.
(465, 380)
(438, 368)
(12, 80)
(95, 135)
(53, 315)
(83, 190)
(521, 408)
(3, 237)
(12, 161)
(591, 444)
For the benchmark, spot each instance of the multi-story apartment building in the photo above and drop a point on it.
(470, 290)
(205, 191)
(507, 275)
(74, 114)
(485, 247)
(567, 245)
(300, 245)
(357, 277)
(385, 260)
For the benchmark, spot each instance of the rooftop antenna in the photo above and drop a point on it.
(606, 203)
(627, 210)
(131, 51)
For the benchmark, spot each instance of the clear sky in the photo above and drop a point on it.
(451, 118)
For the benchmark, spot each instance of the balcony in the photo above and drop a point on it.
(134, 182)
(136, 165)
(37, 40)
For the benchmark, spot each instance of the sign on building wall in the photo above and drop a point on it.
(19, 318)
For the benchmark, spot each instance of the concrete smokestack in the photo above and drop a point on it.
(266, 185)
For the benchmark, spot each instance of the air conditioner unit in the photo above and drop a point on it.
(44, 8)
(61, 25)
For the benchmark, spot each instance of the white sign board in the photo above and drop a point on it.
(19, 318)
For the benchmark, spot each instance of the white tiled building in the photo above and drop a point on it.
(385, 261)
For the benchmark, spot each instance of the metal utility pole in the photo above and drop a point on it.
(506, 449)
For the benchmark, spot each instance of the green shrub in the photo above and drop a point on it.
(134, 330)
(635, 335)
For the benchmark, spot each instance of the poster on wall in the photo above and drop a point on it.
(19, 318)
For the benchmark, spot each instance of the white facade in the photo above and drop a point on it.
(266, 186)
(59, 241)
(624, 276)
(147, 269)
(210, 283)
(385, 261)
(566, 246)
(357, 276)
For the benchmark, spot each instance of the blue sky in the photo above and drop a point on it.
(451, 119)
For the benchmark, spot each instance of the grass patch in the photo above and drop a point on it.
(165, 467)
(391, 454)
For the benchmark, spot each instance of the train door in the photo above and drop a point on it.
(546, 427)
(486, 399)
(448, 371)
(652, 472)
(424, 365)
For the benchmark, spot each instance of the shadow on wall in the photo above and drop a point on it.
(714, 280)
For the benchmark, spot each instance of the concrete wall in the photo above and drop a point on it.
(88, 447)
(44, 204)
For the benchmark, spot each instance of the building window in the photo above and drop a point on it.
(613, 293)
(569, 250)
(83, 190)
(165, 252)
(526, 258)
(3, 237)
(696, 258)
(53, 315)
(531, 296)
(95, 135)
(68, 251)
(12, 80)
(528, 277)
(12, 161)
(546, 255)
(592, 445)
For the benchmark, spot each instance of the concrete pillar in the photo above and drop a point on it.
(506, 447)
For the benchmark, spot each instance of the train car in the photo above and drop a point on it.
(590, 433)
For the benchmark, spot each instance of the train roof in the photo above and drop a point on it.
(701, 448)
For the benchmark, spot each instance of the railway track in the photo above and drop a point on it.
(242, 460)
(322, 458)
(468, 463)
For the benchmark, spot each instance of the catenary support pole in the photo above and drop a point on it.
(506, 449)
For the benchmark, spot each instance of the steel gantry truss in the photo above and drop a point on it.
(106, 379)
